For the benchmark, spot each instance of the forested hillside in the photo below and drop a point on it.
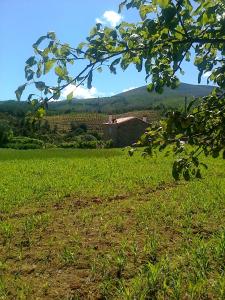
(136, 99)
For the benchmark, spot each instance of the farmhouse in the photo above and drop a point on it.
(124, 131)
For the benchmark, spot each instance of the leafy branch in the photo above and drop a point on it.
(158, 44)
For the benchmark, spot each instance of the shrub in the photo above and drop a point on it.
(69, 145)
(108, 144)
(83, 126)
(75, 125)
(19, 146)
(6, 133)
(87, 138)
(24, 143)
(77, 131)
(96, 135)
(88, 145)
(82, 144)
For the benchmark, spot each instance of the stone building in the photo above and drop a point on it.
(124, 131)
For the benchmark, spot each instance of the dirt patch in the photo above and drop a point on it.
(85, 246)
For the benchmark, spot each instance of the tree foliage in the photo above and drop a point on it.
(169, 32)
(5, 133)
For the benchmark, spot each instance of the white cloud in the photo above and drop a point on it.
(129, 89)
(97, 20)
(81, 92)
(110, 17)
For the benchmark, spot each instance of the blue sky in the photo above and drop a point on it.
(23, 21)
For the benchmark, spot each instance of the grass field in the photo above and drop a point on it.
(98, 224)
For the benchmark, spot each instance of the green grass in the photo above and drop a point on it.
(42, 175)
(98, 224)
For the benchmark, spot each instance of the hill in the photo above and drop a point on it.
(136, 99)
(14, 107)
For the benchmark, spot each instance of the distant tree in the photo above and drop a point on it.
(6, 133)
(45, 126)
(55, 129)
(169, 33)
(74, 125)
(83, 126)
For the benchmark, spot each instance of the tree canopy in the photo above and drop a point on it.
(169, 32)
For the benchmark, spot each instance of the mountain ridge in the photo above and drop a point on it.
(135, 99)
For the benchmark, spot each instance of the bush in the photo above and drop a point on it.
(75, 125)
(108, 144)
(6, 133)
(77, 131)
(24, 143)
(96, 135)
(83, 126)
(82, 144)
(87, 138)
(89, 145)
(69, 145)
(26, 140)
(19, 146)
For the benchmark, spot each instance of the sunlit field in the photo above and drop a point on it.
(98, 224)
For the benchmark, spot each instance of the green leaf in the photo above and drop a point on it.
(200, 76)
(150, 87)
(19, 91)
(51, 35)
(99, 69)
(159, 89)
(144, 10)
(29, 74)
(42, 38)
(131, 151)
(60, 71)
(30, 96)
(39, 70)
(31, 61)
(113, 64)
(41, 112)
(34, 102)
(81, 45)
(116, 61)
(190, 104)
(169, 14)
(40, 85)
(124, 63)
(48, 65)
(139, 65)
(56, 95)
(121, 6)
(162, 3)
(175, 173)
(69, 96)
(204, 165)
(186, 175)
(198, 174)
(205, 19)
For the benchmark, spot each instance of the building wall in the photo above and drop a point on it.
(110, 133)
(125, 133)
